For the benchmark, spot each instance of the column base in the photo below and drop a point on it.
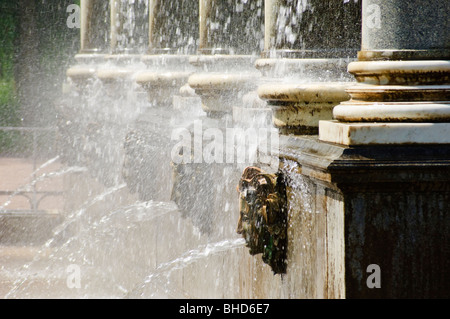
(161, 86)
(357, 207)
(384, 133)
(220, 92)
(298, 107)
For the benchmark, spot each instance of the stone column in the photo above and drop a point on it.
(128, 40)
(403, 71)
(129, 34)
(85, 31)
(229, 41)
(204, 15)
(115, 24)
(173, 35)
(94, 33)
(308, 45)
(385, 161)
(94, 28)
(270, 10)
(153, 9)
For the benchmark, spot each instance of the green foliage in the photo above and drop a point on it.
(57, 43)
(8, 103)
(9, 116)
(55, 46)
(7, 38)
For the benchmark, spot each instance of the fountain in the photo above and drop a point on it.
(339, 110)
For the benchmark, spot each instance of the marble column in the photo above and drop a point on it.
(403, 75)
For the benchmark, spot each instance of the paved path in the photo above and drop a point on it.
(16, 173)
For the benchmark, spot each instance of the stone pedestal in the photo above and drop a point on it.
(297, 108)
(222, 80)
(380, 170)
(116, 75)
(383, 208)
(163, 78)
(80, 74)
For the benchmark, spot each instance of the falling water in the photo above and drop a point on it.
(57, 231)
(133, 221)
(43, 177)
(187, 258)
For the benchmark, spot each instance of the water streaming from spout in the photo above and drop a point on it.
(49, 162)
(58, 230)
(43, 177)
(189, 257)
(109, 135)
(121, 217)
(300, 192)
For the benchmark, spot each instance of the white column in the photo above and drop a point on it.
(270, 16)
(115, 23)
(86, 11)
(403, 74)
(205, 12)
(153, 5)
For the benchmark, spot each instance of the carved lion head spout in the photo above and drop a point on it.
(263, 216)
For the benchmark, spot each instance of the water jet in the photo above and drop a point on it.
(360, 177)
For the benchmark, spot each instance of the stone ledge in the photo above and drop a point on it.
(221, 62)
(166, 60)
(113, 74)
(305, 92)
(328, 69)
(369, 166)
(162, 78)
(401, 72)
(358, 111)
(297, 108)
(384, 133)
(81, 73)
(90, 58)
(223, 81)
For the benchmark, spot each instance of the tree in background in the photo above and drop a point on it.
(8, 31)
(36, 48)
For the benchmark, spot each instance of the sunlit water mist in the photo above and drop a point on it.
(122, 227)
(117, 240)
(164, 270)
(56, 232)
(41, 178)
